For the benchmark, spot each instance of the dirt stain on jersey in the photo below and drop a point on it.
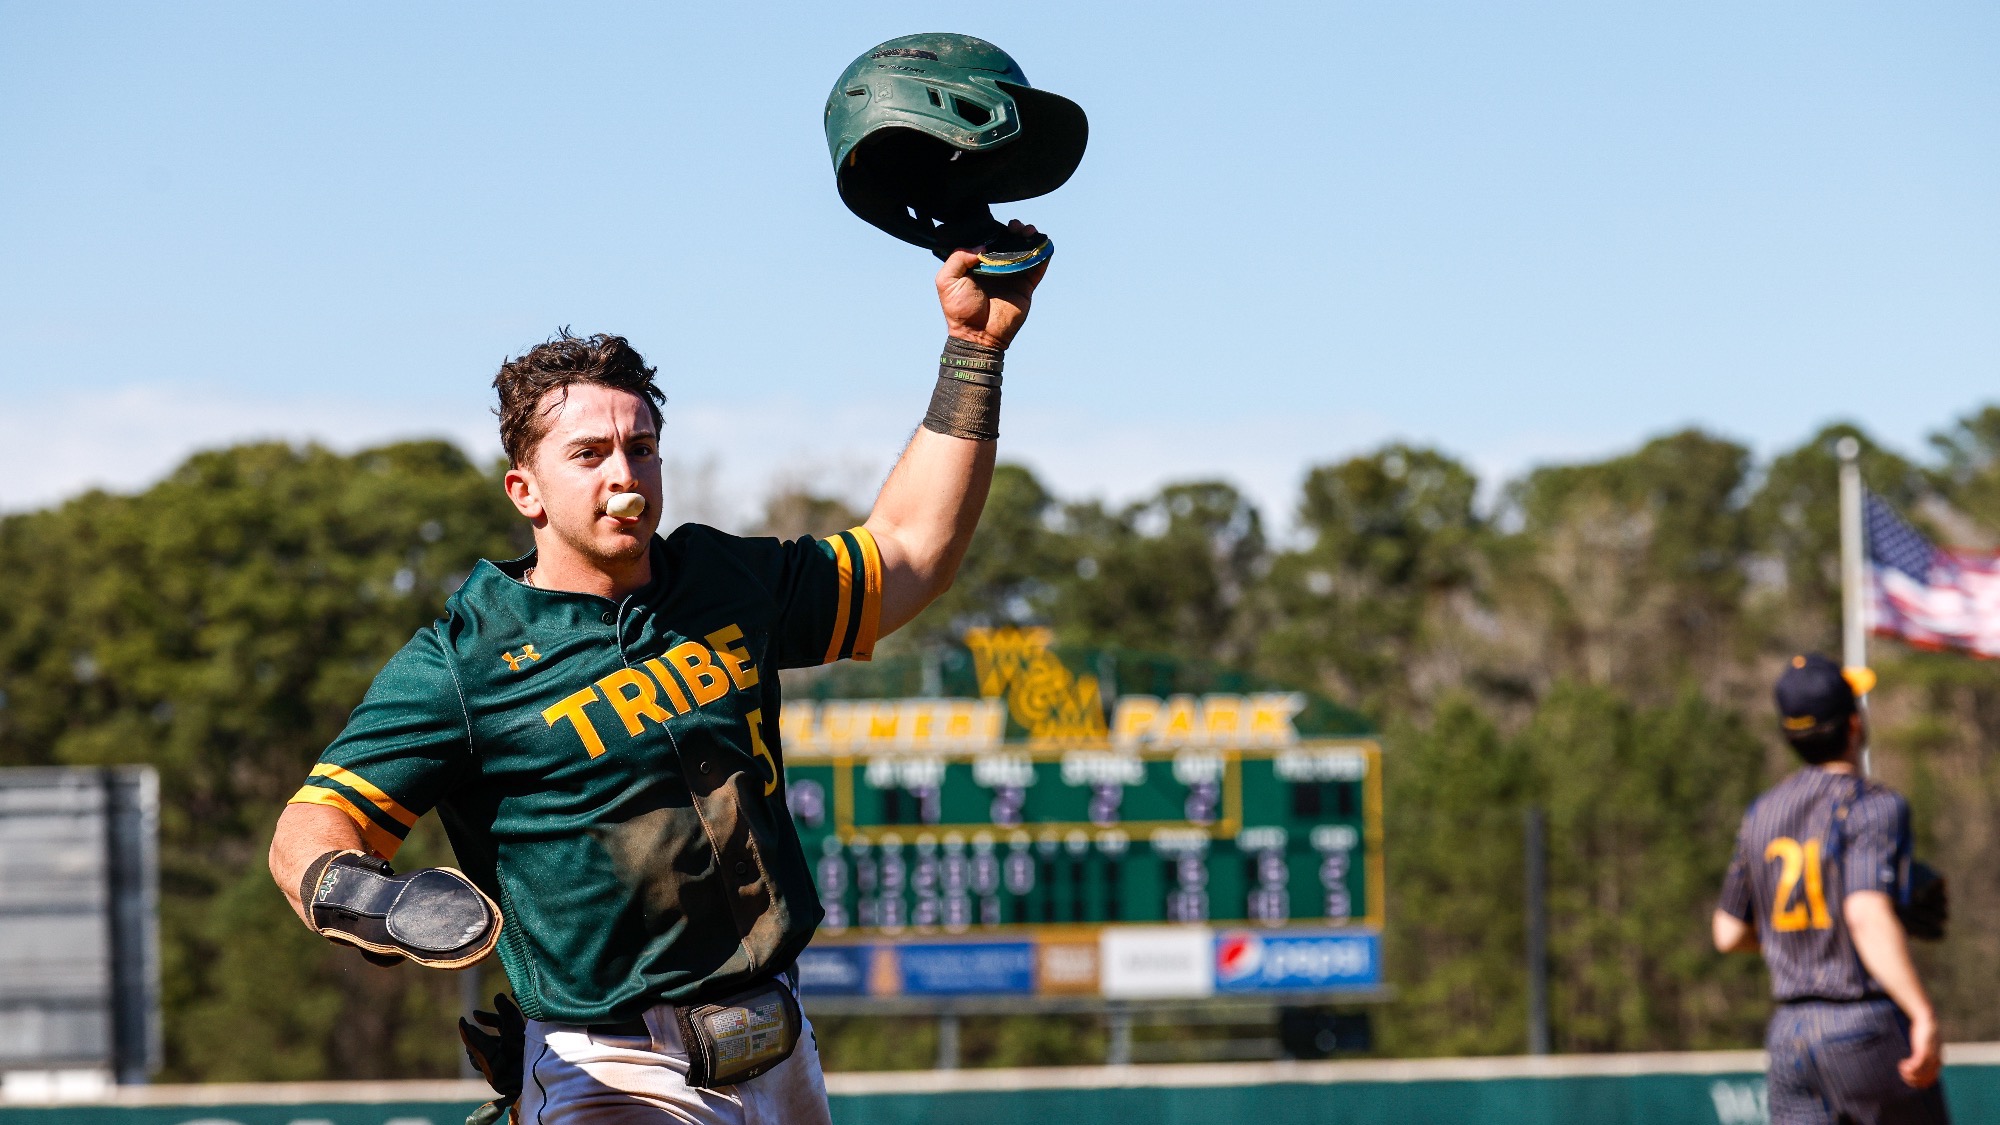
(658, 854)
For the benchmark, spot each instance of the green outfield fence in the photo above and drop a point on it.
(1701, 1088)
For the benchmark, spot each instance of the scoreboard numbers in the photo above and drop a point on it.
(994, 839)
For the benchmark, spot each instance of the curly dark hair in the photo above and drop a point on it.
(565, 360)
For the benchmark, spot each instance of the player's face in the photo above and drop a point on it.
(600, 442)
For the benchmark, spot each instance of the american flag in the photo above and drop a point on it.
(1931, 596)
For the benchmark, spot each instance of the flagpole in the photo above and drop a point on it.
(1853, 574)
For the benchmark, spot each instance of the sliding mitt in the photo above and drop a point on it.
(435, 916)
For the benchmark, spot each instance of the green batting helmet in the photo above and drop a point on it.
(927, 130)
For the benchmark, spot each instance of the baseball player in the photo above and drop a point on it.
(596, 724)
(1822, 863)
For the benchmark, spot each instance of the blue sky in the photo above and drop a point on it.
(1523, 233)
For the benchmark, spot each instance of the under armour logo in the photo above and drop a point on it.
(514, 662)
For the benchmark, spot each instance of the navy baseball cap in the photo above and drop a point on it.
(1812, 695)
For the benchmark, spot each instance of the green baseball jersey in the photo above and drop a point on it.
(611, 772)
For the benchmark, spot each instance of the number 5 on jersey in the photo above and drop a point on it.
(1794, 860)
(755, 718)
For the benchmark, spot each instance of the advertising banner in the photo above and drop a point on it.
(1247, 961)
(968, 968)
(1158, 962)
(835, 970)
(1067, 968)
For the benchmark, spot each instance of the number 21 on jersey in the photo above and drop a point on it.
(1796, 860)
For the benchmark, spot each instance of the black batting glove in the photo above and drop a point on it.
(497, 1054)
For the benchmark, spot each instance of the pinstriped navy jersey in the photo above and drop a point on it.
(1805, 845)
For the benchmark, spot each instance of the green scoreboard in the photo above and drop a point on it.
(988, 841)
(1040, 838)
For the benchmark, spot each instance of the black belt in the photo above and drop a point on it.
(1872, 998)
(635, 1028)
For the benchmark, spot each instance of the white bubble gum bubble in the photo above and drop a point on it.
(626, 505)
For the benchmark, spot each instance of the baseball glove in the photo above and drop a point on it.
(1929, 907)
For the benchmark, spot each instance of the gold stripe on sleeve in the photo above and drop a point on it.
(871, 595)
(367, 789)
(845, 592)
(379, 839)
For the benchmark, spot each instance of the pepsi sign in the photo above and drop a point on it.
(1248, 961)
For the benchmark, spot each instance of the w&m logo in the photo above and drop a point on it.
(1054, 704)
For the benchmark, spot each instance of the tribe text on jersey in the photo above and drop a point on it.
(612, 772)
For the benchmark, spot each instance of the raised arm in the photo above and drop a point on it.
(924, 518)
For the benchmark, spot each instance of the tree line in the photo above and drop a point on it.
(1595, 639)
